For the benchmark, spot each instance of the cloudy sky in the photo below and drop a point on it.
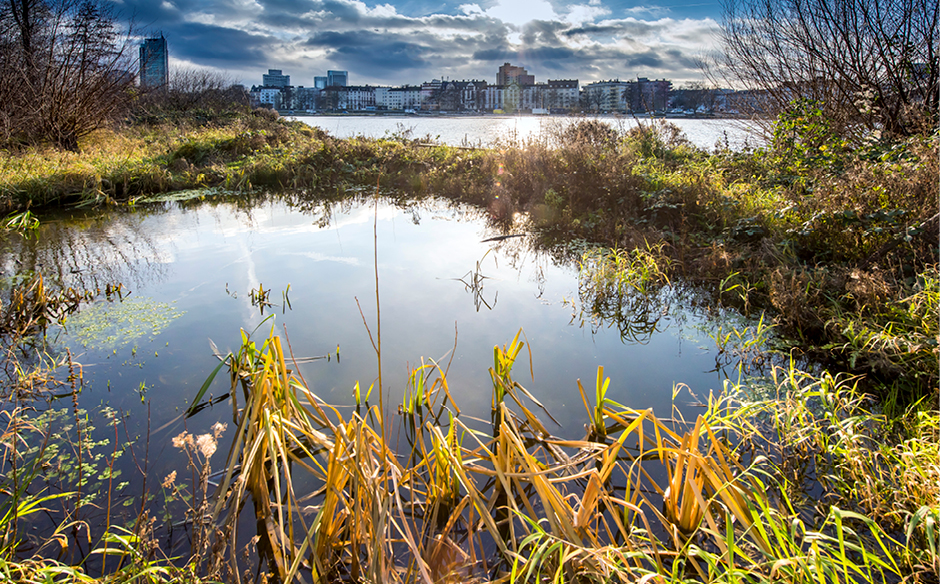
(410, 41)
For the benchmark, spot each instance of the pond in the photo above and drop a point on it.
(191, 274)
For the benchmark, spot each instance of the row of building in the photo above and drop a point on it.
(515, 91)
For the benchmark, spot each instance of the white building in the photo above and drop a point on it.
(607, 96)
(404, 97)
(381, 97)
(493, 98)
(356, 97)
(561, 94)
(267, 97)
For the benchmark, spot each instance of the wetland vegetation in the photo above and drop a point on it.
(824, 474)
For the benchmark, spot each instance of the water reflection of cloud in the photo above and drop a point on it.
(319, 257)
(366, 214)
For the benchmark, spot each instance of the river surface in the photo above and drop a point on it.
(507, 130)
(188, 271)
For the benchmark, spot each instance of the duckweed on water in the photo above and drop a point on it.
(110, 325)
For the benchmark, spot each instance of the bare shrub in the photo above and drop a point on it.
(589, 132)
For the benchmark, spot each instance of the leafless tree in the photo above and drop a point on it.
(871, 64)
(66, 70)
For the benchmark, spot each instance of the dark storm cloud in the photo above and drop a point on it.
(289, 6)
(592, 29)
(646, 59)
(370, 53)
(340, 11)
(529, 55)
(147, 14)
(542, 32)
(219, 46)
(626, 28)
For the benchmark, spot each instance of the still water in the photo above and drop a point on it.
(189, 269)
(492, 130)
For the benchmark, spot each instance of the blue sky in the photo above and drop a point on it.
(410, 41)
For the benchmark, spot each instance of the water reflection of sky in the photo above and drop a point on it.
(205, 260)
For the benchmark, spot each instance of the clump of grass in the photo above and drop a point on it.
(823, 428)
(644, 498)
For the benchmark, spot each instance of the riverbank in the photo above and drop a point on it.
(833, 244)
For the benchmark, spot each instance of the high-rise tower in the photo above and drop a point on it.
(154, 66)
(337, 78)
(275, 78)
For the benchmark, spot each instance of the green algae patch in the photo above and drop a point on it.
(110, 325)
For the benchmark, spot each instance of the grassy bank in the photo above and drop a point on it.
(796, 477)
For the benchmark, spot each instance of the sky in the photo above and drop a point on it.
(412, 41)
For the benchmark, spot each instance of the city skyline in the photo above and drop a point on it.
(408, 41)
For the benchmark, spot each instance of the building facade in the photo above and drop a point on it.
(270, 97)
(154, 63)
(304, 98)
(562, 94)
(607, 96)
(653, 95)
(406, 97)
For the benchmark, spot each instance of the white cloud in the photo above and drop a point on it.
(581, 13)
(470, 9)
(518, 12)
(383, 10)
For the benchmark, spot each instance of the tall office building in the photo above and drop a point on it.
(337, 78)
(320, 82)
(154, 65)
(511, 74)
(275, 78)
